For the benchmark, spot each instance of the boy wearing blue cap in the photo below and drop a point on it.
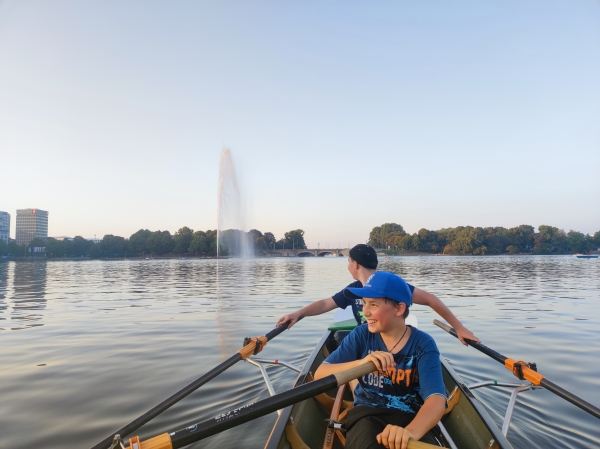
(362, 264)
(405, 398)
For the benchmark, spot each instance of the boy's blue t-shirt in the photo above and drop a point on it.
(418, 372)
(346, 298)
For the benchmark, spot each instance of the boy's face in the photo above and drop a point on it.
(381, 315)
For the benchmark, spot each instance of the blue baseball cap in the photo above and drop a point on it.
(384, 284)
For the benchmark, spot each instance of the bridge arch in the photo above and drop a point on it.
(305, 254)
(326, 253)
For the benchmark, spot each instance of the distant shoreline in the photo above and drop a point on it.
(381, 255)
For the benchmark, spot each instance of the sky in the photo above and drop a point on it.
(340, 116)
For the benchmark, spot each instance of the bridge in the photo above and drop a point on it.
(319, 252)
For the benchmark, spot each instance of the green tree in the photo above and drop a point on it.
(466, 240)
(513, 249)
(495, 240)
(80, 246)
(257, 239)
(596, 240)
(159, 243)
(16, 250)
(137, 242)
(382, 236)
(183, 239)
(405, 242)
(480, 250)
(112, 246)
(205, 243)
(462, 245)
(55, 248)
(523, 237)
(295, 239)
(579, 243)
(427, 241)
(198, 244)
(211, 238)
(550, 240)
(269, 240)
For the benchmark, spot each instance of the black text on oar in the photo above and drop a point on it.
(251, 346)
(524, 371)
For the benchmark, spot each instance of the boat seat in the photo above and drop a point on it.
(339, 336)
(337, 417)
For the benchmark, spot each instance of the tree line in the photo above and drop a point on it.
(480, 241)
(158, 243)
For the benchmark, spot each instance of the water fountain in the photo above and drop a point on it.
(231, 211)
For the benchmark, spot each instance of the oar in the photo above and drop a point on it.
(251, 346)
(523, 371)
(232, 418)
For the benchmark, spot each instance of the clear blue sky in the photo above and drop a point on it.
(340, 116)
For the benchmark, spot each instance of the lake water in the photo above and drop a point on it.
(85, 347)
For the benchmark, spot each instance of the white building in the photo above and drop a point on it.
(5, 226)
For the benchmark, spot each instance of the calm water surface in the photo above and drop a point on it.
(87, 346)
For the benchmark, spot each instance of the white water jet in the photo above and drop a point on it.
(231, 211)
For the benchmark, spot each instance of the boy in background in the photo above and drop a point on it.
(362, 264)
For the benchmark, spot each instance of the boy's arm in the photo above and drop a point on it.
(427, 299)
(429, 415)
(316, 308)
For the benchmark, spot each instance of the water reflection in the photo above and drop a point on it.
(28, 298)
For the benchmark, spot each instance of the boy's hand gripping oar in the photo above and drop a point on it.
(251, 346)
(196, 432)
(524, 371)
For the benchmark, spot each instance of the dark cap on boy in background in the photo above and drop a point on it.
(365, 255)
(384, 284)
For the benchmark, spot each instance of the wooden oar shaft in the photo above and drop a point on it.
(254, 345)
(532, 376)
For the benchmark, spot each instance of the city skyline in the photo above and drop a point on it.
(339, 117)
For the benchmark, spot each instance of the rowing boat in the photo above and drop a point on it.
(311, 413)
(466, 424)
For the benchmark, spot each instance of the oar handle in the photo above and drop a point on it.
(527, 373)
(278, 330)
